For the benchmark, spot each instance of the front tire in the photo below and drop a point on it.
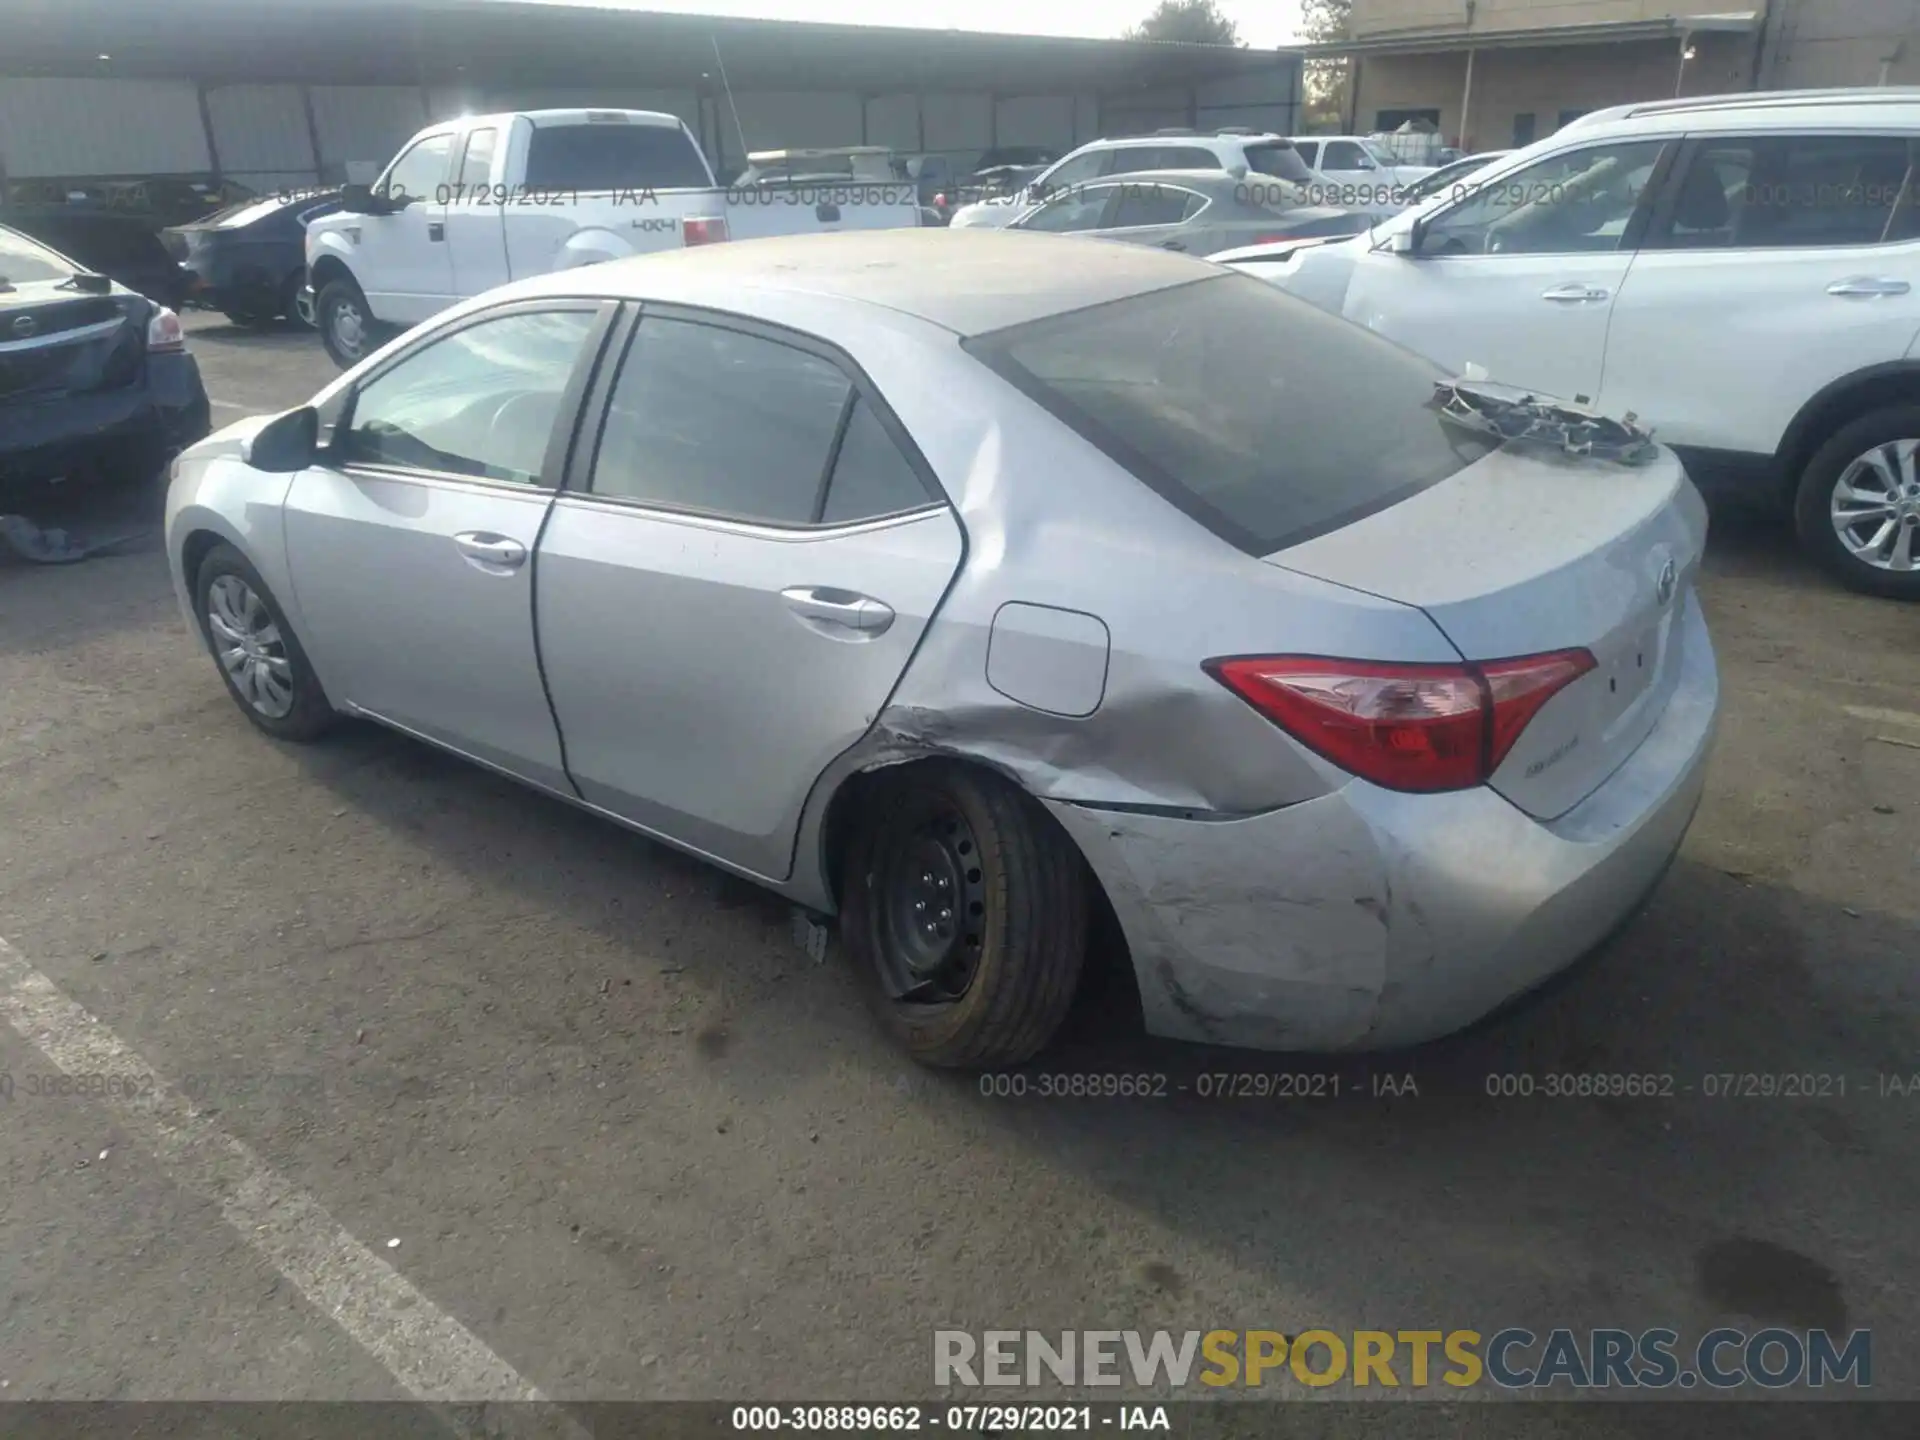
(258, 655)
(1857, 510)
(965, 913)
(347, 327)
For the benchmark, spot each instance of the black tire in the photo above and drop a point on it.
(1014, 966)
(311, 713)
(335, 298)
(1812, 510)
(290, 301)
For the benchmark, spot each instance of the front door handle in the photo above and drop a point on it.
(436, 230)
(1868, 287)
(831, 609)
(495, 554)
(1575, 294)
(1173, 245)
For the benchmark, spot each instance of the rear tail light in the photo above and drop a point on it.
(164, 334)
(1270, 239)
(1420, 728)
(940, 201)
(709, 230)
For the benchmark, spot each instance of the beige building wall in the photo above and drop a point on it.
(1546, 82)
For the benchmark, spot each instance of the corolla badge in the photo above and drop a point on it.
(25, 328)
(1669, 580)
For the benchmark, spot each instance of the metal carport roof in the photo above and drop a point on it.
(447, 42)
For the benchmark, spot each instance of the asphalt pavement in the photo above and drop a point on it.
(447, 1084)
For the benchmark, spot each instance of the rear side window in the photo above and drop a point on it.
(1226, 396)
(613, 156)
(1281, 161)
(1150, 205)
(721, 422)
(1796, 191)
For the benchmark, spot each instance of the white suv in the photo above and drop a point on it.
(1242, 152)
(1742, 273)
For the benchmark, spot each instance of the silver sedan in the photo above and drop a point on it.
(956, 584)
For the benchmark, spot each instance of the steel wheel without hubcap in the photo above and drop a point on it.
(1875, 507)
(249, 647)
(932, 904)
(347, 324)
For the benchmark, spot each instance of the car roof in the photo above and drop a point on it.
(966, 281)
(1897, 106)
(1208, 180)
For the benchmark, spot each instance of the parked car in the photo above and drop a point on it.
(1740, 272)
(1363, 172)
(1454, 173)
(107, 242)
(95, 380)
(1198, 211)
(249, 260)
(478, 201)
(866, 164)
(1235, 152)
(934, 180)
(842, 592)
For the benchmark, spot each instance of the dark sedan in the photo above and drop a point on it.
(1199, 212)
(95, 380)
(249, 260)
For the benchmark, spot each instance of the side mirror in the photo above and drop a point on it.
(1408, 241)
(357, 199)
(286, 443)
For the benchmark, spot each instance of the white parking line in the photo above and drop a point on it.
(229, 405)
(432, 1355)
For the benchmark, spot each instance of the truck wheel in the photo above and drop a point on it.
(965, 912)
(1858, 507)
(347, 327)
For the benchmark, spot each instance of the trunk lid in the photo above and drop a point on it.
(1528, 551)
(56, 342)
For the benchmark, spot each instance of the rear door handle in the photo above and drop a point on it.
(838, 609)
(436, 230)
(495, 554)
(1867, 287)
(1173, 245)
(1575, 294)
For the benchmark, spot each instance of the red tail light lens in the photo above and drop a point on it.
(709, 230)
(940, 201)
(1419, 728)
(164, 334)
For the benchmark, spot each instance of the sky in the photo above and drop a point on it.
(1263, 23)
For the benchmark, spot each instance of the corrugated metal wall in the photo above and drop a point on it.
(365, 125)
(100, 127)
(260, 136)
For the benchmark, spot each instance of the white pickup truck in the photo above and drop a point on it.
(475, 202)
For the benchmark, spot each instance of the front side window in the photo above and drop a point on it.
(481, 402)
(1077, 209)
(1796, 191)
(419, 174)
(1345, 155)
(1216, 395)
(1576, 202)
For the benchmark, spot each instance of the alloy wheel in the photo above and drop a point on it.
(1875, 507)
(250, 647)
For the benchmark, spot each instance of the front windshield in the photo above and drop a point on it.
(23, 260)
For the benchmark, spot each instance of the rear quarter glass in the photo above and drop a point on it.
(1264, 418)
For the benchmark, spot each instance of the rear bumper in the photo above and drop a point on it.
(142, 424)
(1367, 919)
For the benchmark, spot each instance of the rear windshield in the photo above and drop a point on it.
(1263, 417)
(1279, 160)
(23, 261)
(610, 156)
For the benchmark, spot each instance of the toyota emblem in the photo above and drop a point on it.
(25, 327)
(1669, 578)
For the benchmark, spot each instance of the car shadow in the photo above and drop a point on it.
(1755, 1024)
